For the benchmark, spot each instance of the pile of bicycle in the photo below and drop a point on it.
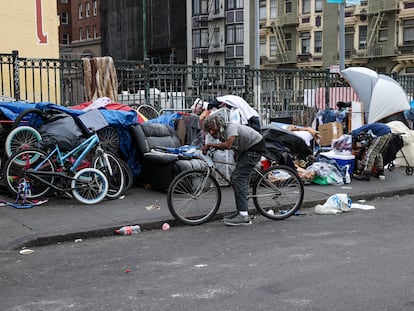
(89, 171)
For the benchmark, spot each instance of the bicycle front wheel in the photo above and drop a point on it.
(194, 197)
(89, 186)
(16, 167)
(278, 192)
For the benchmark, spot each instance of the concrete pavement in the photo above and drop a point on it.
(63, 219)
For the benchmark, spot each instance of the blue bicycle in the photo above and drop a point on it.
(90, 179)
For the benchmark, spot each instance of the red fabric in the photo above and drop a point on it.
(111, 106)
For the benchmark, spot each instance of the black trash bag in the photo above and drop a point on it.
(59, 128)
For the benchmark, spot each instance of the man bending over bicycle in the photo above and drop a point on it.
(248, 146)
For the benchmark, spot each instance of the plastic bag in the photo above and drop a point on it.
(335, 204)
(326, 174)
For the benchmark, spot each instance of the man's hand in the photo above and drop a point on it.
(204, 149)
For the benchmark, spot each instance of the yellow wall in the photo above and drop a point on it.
(31, 28)
(20, 31)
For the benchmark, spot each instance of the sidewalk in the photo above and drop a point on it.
(67, 220)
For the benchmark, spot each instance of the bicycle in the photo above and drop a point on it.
(66, 172)
(194, 196)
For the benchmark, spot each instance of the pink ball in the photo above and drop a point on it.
(165, 226)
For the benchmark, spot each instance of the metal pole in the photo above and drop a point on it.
(144, 28)
(342, 36)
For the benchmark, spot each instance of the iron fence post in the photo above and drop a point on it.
(16, 76)
(147, 80)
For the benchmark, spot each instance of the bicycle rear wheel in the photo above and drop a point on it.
(16, 168)
(108, 164)
(89, 186)
(194, 197)
(278, 192)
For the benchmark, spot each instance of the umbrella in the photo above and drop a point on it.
(381, 95)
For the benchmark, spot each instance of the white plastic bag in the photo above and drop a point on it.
(335, 204)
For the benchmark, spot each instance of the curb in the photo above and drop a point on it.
(48, 238)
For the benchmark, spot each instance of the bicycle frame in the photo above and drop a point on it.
(86, 146)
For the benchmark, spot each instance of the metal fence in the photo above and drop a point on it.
(276, 94)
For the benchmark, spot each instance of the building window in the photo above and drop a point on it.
(200, 7)
(216, 6)
(408, 31)
(288, 6)
(349, 38)
(318, 41)
(234, 4)
(273, 47)
(273, 8)
(263, 47)
(196, 38)
(288, 40)
(383, 32)
(306, 5)
(234, 34)
(216, 37)
(204, 38)
(64, 1)
(95, 32)
(305, 42)
(318, 5)
(95, 8)
(65, 38)
(200, 38)
(80, 34)
(262, 10)
(362, 41)
(87, 8)
(88, 33)
(64, 17)
(80, 11)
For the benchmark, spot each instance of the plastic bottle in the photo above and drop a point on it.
(347, 175)
(128, 230)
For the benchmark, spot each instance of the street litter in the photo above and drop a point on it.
(26, 251)
(128, 230)
(362, 206)
(78, 240)
(152, 207)
(335, 204)
(165, 226)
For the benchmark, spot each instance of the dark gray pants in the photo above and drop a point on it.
(240, 177)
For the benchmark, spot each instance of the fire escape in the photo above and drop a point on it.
(282, 48)
(372, 35)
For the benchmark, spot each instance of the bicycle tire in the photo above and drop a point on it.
(17, 165)
(22, 137)
(128, 175)
(30, 117)
(278, 192)
(89, 186)
(113, 172)
(192, 199)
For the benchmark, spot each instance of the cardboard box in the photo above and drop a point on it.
(329, 131)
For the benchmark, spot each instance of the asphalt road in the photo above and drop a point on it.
(359, 260)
